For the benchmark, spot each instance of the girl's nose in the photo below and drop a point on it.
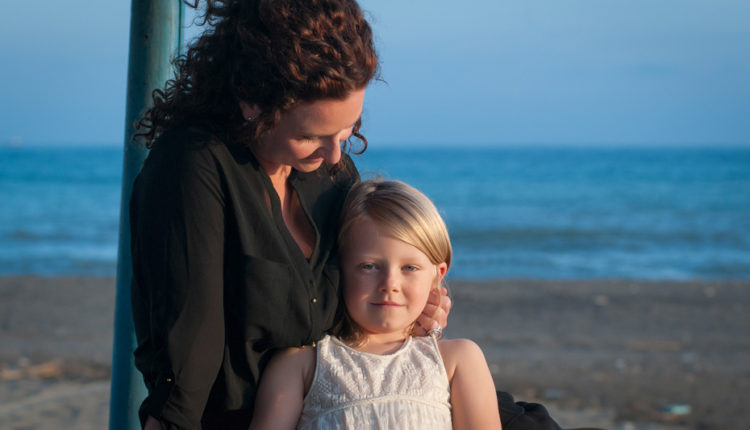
(390, 281)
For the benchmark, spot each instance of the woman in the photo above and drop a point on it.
(234, 215)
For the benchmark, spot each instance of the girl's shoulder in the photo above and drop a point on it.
(459, 353)
(295, 357)
(296, 362)
(457, 347)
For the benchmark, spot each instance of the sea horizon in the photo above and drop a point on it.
(541, 211)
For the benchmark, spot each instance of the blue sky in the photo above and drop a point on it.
(485, 72)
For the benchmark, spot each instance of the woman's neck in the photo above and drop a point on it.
(294, 216)
(277, 173)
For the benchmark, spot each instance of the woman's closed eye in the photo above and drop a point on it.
(341, 135)
(347, 134)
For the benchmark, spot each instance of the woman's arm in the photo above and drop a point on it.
(473, 397)
(282, 389)
(177, 227)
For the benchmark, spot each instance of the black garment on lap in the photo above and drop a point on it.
(523, 416)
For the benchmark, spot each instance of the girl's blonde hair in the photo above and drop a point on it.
(406, 215)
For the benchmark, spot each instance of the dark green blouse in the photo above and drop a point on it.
(218, 280)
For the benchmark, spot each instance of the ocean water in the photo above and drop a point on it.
(670, 213)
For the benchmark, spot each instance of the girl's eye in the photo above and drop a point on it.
(367, 266)
(410, 268)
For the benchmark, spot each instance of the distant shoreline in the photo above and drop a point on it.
(520, 213)
(595, 352)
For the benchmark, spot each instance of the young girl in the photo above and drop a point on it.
(372, 373)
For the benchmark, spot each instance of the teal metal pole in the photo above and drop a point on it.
(155, 38)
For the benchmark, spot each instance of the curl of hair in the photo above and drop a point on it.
(405, 214)
(269, 53)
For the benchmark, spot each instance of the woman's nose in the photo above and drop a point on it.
(333, 150)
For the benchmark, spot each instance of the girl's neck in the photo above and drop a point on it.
(381, 344)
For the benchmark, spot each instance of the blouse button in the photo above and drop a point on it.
(314, 300)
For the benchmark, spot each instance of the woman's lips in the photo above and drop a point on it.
(315, 157)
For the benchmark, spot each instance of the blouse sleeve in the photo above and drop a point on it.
(177, 238)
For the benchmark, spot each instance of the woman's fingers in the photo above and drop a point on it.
(435, 313)
(422, 322)
(445, 307)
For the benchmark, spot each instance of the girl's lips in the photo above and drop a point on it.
(386, 303)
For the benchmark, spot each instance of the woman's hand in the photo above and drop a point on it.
(435, 313)
(152, 424)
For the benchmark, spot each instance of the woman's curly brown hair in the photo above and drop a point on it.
(268, 53)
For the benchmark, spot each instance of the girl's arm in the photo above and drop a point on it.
(473, 397)
(283, 386)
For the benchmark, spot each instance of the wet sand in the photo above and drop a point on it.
(610, 354)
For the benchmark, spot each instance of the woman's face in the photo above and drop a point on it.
(309, 134)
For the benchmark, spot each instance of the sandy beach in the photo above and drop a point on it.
(610, 354)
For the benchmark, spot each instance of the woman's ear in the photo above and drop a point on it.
(249, 112)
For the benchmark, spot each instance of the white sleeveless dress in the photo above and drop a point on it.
(407, 389)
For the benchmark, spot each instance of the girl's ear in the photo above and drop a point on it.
(442, 269)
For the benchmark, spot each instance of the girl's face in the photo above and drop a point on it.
(386, 281)
(308, 134)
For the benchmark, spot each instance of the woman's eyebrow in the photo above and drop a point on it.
(326, 135)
